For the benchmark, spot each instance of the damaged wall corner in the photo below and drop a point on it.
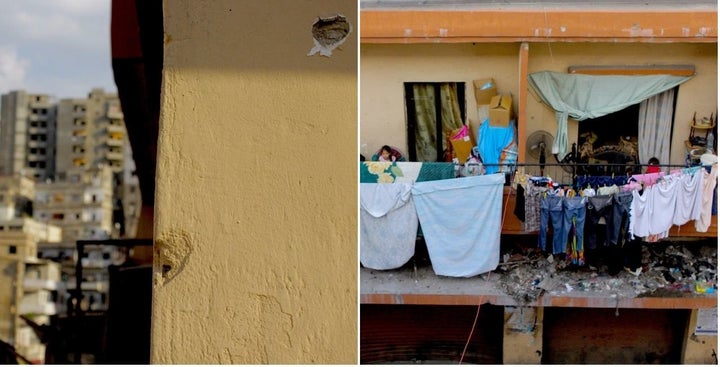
(523, 335)
(698, 349)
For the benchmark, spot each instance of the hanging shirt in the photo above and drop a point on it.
(640, 214)
(703, 223)
(493, 144)
(689, 198)
(664, 197)
(608, 190)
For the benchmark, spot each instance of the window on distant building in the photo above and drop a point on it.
(433, 111)
(12, 249)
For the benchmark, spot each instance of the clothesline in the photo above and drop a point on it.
(585, 165)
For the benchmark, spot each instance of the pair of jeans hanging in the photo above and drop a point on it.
(574, 217)
(551, 210)
(621, 217)
(599, 207)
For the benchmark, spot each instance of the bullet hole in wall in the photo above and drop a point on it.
(329, 33)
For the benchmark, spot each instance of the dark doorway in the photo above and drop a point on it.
(430, 334)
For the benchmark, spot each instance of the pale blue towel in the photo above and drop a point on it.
(461, 220)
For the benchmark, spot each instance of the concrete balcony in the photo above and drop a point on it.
(37, 130)
(33, 307)
(115, 113)
(39, 284)
(110, 128)
(114, 156)
(96, 263)
(37, 117)
(43, 309)
(96, 286)
(37, 144)
(112, 142)
(36, 157)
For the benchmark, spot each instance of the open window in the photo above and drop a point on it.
(588, 97)
(432, 111)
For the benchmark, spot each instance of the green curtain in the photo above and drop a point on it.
(589, 96)
(426, 148)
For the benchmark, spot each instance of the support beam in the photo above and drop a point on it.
(522, 335)
(534, 25)
(522, 99)
(698, 349)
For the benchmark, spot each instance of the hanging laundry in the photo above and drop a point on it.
(461, 220)
(532, 206)
(599, 207)
(664, 197)
(640, 214)
(647, 179)
(405, 172)
(497, 145)
(689, 197)
(709, 183)
(608, 190)
(574, 216)
(388, 225)
(622, 206)
(551, 212)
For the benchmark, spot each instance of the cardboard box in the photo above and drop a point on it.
(462, 145)
(500, 110)
(462, 148)
(484, 90)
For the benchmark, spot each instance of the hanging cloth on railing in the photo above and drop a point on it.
(589, 96)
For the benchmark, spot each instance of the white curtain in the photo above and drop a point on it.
(654, 124)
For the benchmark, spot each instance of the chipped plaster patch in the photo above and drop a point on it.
(703, 31)
(172, 249)
(637, 31)
(443, 32)
(328, 34)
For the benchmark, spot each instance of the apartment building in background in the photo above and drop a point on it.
(27, 135)
(29, 287)
(81, 203)
(54, 142)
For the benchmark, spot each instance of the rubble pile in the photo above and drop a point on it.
(668, 270)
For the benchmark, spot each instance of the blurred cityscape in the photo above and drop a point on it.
(69, 207)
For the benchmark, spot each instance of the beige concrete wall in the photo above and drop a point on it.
(256, 201)
(384, 68)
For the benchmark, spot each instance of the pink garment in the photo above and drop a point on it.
(648, 179)
(631, 186)
(382, 159)
(703, 223)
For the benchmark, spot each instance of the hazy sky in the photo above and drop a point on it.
(56, 47)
